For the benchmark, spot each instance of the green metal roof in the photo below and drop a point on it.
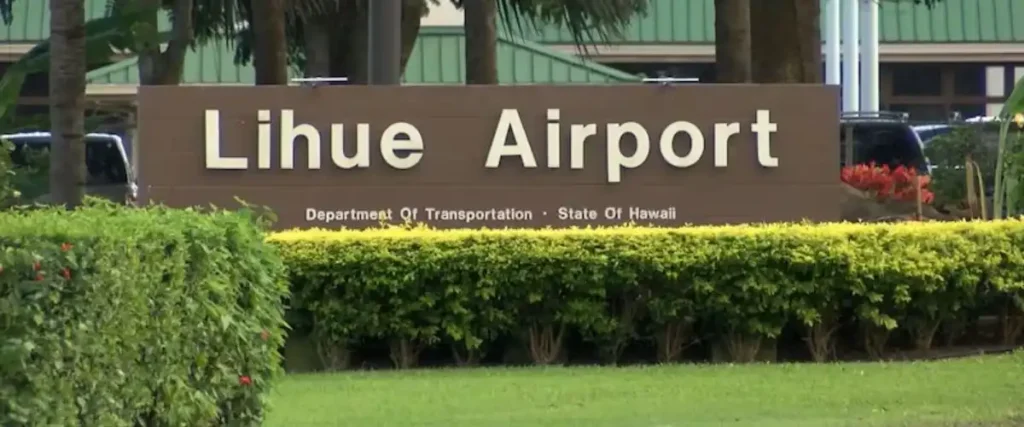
(692, 21)
(31, 23)
(439, 58)
(208, 64)
(436, 59)
(951, 21)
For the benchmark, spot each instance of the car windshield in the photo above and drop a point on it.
(928, 133)
(884, 144)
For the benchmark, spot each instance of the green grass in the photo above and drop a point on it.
(982, 391)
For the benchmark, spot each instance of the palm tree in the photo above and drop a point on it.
(160, 66)
(270, 49)
(732, 41)
(481, 41)
(327, 37)
(67, 102)
(786, 41)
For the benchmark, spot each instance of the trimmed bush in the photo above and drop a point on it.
(122, 317)
(737, 286)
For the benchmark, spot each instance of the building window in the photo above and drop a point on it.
(916, 80)
(936, 92)
(972, 80)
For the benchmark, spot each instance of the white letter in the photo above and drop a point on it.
(310, 214)
(263, 140)
(361, 158)
(554, 148)
(412, 141)
(668, 152)
(213, 158)
(289, 131)
(578, 134)
(764, 128)
(724, 131)
(617, 161)
(510, 122)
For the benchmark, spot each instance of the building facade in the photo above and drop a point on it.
(960, 56)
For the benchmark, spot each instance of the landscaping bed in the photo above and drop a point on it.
(737, 293)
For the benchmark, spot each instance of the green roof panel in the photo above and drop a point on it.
(950, 21)
(692, 21)
(31, 20)
(208, 64)
(438, 58)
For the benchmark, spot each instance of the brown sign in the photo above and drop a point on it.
(497, 156)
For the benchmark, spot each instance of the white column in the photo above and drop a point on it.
(996, 87)
(833, 74)
(851, 59)
(869, 55)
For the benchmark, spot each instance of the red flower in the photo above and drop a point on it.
(900, 183)
(37, 266)
(64, 247)
(66, 273)
(39, 277)
(245, 380)
(264, 335)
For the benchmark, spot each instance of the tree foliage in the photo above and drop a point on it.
(588, 21)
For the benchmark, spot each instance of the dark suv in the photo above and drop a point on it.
(885, 138)
(108, 173)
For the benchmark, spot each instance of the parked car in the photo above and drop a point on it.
(108, 171)
(930, 132)
(885, 138)
(987, 133)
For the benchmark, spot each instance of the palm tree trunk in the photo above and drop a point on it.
(481, 42)
(316, 33)
(786, 41)
(732, 41)
(67, 102)
(413, 12)
(347, 40)
(270, 50)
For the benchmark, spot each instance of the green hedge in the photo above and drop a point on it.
(120, 317)
(737, 286)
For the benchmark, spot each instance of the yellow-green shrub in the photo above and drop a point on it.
(121, 317)
(419, 286)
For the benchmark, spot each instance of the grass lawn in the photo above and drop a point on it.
(982, 391)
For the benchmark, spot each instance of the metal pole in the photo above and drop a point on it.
(384, 47)
(833, 74)
(869, 55)
(671, 80)
(851, 59)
